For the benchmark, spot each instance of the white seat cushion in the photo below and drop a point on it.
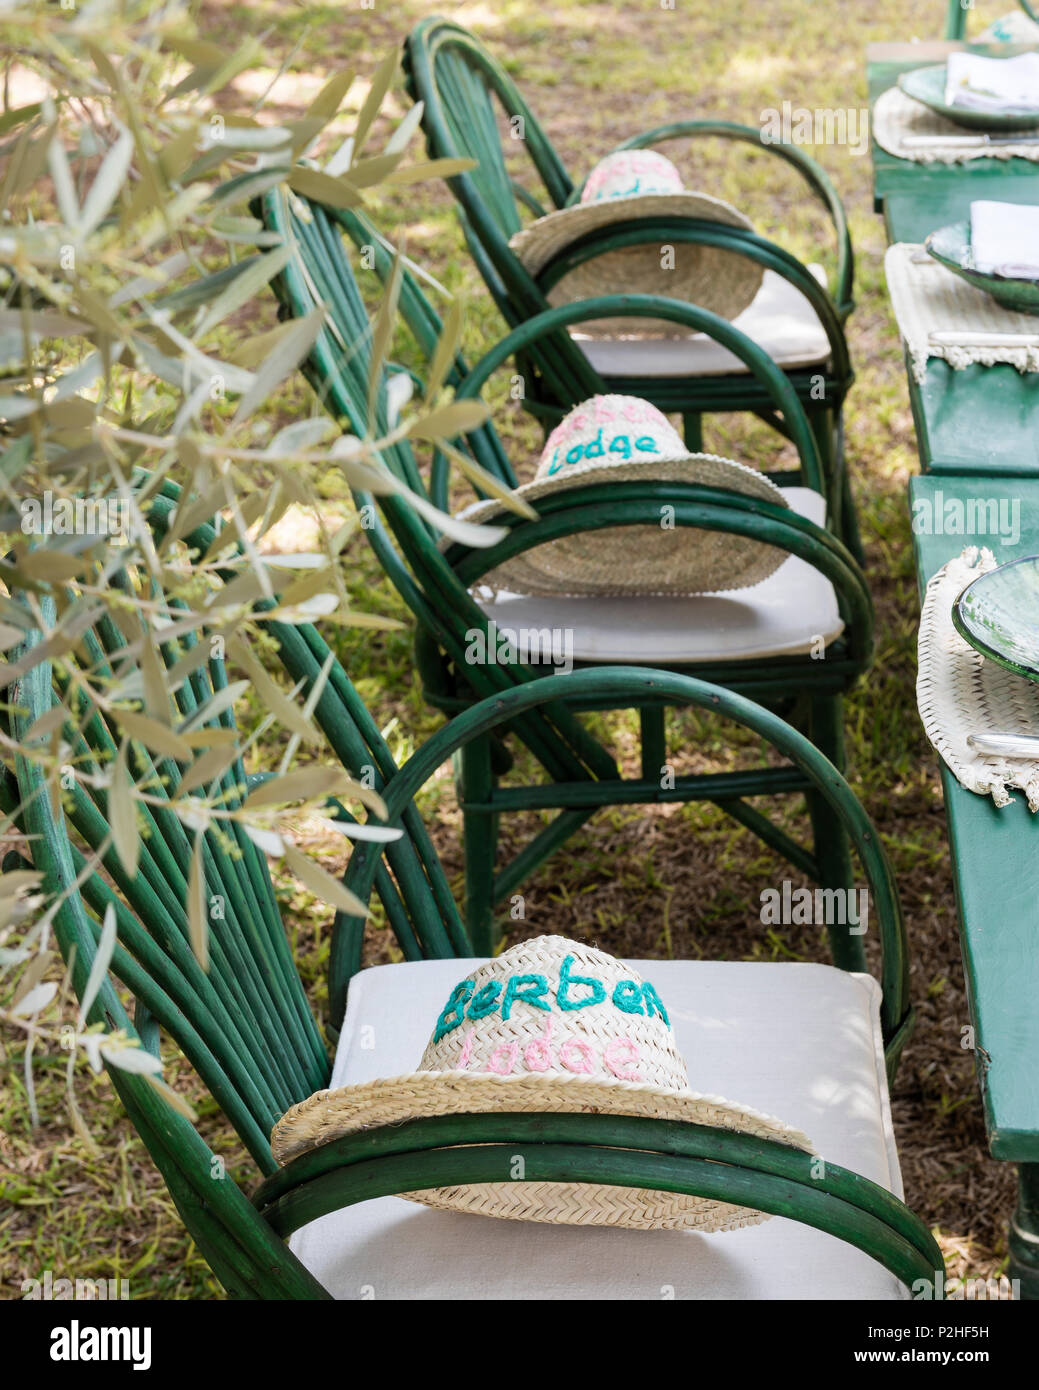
(798, 1041)
(780, 319)
(785, 615)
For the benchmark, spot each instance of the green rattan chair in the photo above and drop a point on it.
(247, 1029)
(437, 585)
(465, 92)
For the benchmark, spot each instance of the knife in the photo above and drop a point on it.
(1005, 745)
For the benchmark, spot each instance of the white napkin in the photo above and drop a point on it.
(992, 84)
(1005, 237)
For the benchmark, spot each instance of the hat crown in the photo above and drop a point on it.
(555, 1007)
(631, 174)
(610, 429)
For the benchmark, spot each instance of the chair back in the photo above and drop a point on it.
(241, 1016)
(470, 102)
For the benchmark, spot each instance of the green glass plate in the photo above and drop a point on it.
(998, 614)
(951, 246)
(928, 85)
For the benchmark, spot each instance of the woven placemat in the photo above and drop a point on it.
(959, 692)
(941, 315)
(896, 116)
(1015, 27)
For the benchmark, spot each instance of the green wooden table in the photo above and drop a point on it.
(978, 436)
(982, 419)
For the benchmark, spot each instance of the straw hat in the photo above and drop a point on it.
(549, 1026)
(619, 438)
(625, 187)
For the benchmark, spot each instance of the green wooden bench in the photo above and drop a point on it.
(995, 862)
(437, 584)
(977, 437)
(981, 419)
(247, 1028)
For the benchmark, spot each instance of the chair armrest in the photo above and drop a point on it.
(754, 357)
(629, 1151)
(598, 506)
(702, 233)
(639, 684)
(810, 170)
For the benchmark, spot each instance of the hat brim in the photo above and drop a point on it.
(329, 1115)
(714, 279)
(649, 560)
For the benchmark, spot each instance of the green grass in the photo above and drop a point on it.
(677, 882)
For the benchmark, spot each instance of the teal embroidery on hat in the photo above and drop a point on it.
(594, 449)
(528, 989)
(608, 193)
(620, 444)
(628, 997)
(653, 1003)
(485, 1000)
(568, 981)
(453, 1010)
(573, 992)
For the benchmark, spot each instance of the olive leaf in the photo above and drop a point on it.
(322, 884)
(198, 922)
(122, 813)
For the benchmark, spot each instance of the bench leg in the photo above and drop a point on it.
(1024, 1232)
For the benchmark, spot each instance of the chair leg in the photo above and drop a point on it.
(692, 429)
(475, 778)
(852, 536)
(832, 850)
(820, 417)
(849, 516)
(828, 428)
(654, 741)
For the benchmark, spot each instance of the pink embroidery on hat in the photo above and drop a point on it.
(467, 1049)
(510, 1050)
(631, 173)
(610, 428)
(538, 1054)
(576, 1045)
(616, 1064)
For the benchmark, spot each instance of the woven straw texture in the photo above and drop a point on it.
(647, 560)
(720, 281)
(959, 692)
(567, 1059)
(929, 299)
(897, 115)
